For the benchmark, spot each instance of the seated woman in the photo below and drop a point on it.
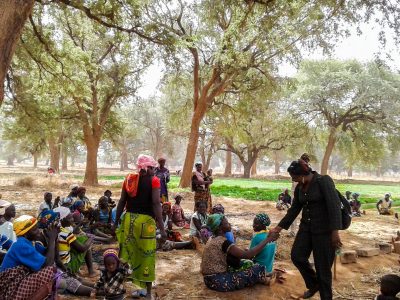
(384, 206)
(198, 222)
(217, 252)
(178, 216)
(65, 282)
(111, 202)
(219, 209)
(7, 234)
(74, 250)
(102, 220)
(87, 209)
(27, 270)
(267, 255)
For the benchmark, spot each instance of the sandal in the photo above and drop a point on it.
(139, 293)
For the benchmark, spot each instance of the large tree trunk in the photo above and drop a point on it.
(10, 160)
(254, 168)
(64, 161)
(54, 154)
(246, 169)
(92, 147)
(192, 145)
(228, 164)
(277, 163)
(350, 171)
(13, 14)
(124, 159)
(328, 151)
(35, 159)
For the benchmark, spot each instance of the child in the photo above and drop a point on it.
(73, 250)
(111, 282)
(111, 202)
(198, 220)
(102, 218)
(47, 203)
(178, 217)
(267, 255)
(390, 287)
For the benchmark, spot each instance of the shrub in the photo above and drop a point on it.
(26, 181)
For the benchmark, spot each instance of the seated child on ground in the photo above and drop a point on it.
(111, 282)
(101, 222)
(172, 235)
(73, 250)
(7, 234)
(178, 216)
(355, 205)
(198, 220)
(111, 202)
(267, 255)
(390, 287)
(82, 227)
(284, 200)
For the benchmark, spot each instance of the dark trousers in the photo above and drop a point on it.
(324, 254)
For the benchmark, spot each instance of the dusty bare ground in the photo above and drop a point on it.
(178, 274)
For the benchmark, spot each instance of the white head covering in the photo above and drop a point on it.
(63, 211)
(3, 205)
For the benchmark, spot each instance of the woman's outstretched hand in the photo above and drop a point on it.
(273, 234)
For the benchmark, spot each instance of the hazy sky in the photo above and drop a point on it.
(363, 47)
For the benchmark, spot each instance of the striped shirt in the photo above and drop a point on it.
(65, 239)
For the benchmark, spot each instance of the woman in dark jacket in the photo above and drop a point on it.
(317, 198)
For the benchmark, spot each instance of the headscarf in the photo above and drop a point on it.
(214, 221)
(388, 195)
(47, 217)
(198, 164)
(145, 161)
(111, 252)
(263, 219)
(161, 159)
(356, 195)
(23, 224)
(218, 209)
(77, 204)
(63, 211)
(3, 206)
(167, 204)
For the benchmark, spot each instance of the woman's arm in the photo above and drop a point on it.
(197, 223)
(247, 254)
(121, 206)
(155, 197)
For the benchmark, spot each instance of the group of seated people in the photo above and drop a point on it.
(284, 200)
(355, 204)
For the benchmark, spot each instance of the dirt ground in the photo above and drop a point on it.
(178, 275)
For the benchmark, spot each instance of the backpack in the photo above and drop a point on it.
(345, 209)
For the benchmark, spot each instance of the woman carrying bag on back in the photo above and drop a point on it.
(317, 198)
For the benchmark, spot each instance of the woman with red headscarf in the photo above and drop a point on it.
(136, 235)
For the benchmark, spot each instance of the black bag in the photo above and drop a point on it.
(345, 209)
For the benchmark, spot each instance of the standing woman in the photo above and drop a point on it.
(136, 235)
(163, 174)
(316, 197)
(200, 187)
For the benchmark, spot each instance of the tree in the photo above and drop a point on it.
(340, 95)
(255, 123)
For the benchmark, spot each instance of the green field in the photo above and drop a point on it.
(268, 190)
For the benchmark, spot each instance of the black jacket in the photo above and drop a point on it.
(320, 205)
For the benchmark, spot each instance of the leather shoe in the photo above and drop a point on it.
(311, 292)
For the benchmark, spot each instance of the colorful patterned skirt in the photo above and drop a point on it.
(230, 281)
(20, 283)
(137, 243)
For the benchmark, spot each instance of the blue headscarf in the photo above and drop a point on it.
(47, 217)
(214, 221)
(76, 205)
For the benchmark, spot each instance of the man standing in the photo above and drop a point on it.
(163, 174)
